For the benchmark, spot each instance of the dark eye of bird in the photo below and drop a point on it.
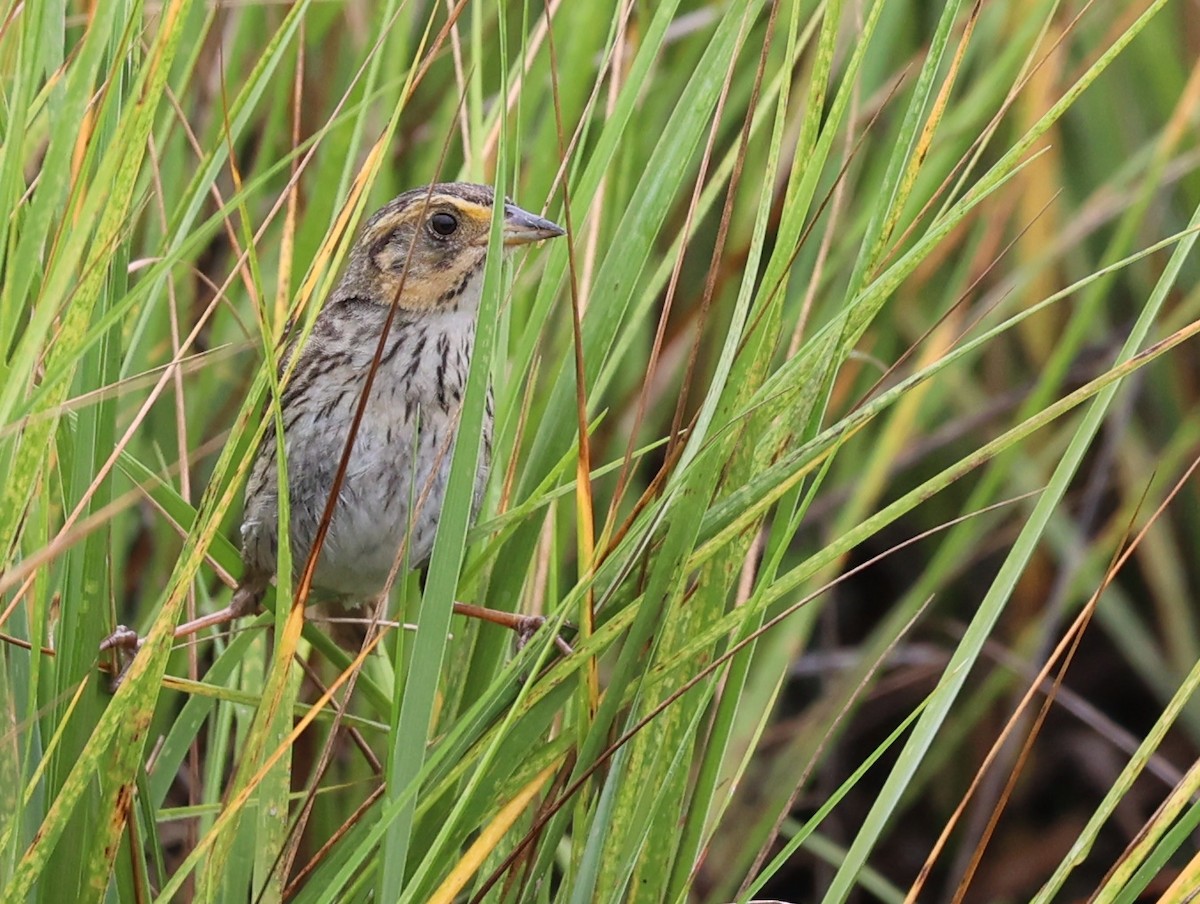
(443, 223)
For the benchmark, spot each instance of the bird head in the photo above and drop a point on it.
(426, 249)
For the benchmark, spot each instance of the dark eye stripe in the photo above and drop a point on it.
(443, 224)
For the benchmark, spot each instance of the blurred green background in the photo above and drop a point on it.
(879, 556)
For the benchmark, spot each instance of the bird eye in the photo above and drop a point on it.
(443, 224)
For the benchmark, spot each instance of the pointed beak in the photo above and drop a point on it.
(522, 227)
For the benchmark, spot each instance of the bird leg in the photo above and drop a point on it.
(247, 599)
(525, 626)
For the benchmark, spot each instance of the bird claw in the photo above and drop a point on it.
(126, 642)
(122, 638)
(527, 625)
